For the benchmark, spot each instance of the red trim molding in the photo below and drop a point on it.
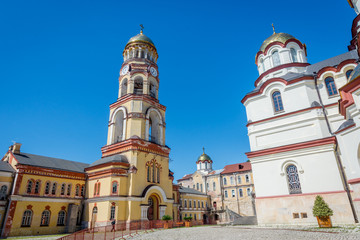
(348, 127)
(283, 45)
(292, 147)
(353, 181)
(303, 194)
(9, 219)
(132, 97)
(263, 86)
(335, 69)
(346, 95)
(290, 113)
(137, 145)
(279, 68)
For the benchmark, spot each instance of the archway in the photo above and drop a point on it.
(153, 210)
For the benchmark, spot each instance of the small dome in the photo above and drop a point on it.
(204, 157)
(140, 38)
(276, 37)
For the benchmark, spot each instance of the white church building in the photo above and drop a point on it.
(301, 145)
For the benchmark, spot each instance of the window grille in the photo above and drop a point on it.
(61, 218)
(112, 212)
(26, 220)
(330, 86)
(278, 105)
(62, 189)
(69, 190)
(114, 187)
(29, 186)
(53, 190)
(47, 188)
(293, 179)
(37, 187)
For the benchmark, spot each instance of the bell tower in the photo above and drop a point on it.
(136, 135)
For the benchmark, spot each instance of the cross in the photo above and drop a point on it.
(203, 150)
(273, 27)
(142, 28)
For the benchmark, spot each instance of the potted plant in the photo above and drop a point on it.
(187, 221)
(166, 218)
(322, 212)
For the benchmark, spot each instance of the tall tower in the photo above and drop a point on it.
(135, 157)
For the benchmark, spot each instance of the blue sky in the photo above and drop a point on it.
(60, 62)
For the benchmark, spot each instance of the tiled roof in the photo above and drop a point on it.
(6, 167)
(238, 167)
(49, 162)
(190, 191)
(187, 176)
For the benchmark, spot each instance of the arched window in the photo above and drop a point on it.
(114, 187)
(37, 187)
(61, 218)
(118, 131)
(154, 172)
(3, 192)
(47, 188)
(148, 174)
(214, 186)
(138, 85)
(348, 73)
(62, 192)
(330, 86)
(189, 203)
(293, 53)
(231, 180)
(45, 218)
(247, 178)
(262, 67)
(225, 181)
(158, 175)
(112, 212)
(226, 194)
(98, 189)
(83, 190)
(29, 186)
(241, 192)
(293, 179)
(198, 204)
(154, 131)
(239, 179)
(124, 85)
(68, 190)
(197, 186)
(276, 58)
(185, 203)
(77, 190)
(153, 89)
(26, 220)
(53, 190)
(248, 191)
(278, 105)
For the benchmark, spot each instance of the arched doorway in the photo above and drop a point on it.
(94, 216)
(153, 210)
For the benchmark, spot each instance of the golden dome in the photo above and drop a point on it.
(141, 38)
(276, 37)
(204, 157)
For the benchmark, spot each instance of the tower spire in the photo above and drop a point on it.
(273, 28)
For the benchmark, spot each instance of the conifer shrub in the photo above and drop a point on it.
(166, 218)
(321, 209)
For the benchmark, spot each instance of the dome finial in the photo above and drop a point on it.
(142, 28)
(203, 150)
(273, 28)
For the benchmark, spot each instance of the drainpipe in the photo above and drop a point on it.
(337, 155)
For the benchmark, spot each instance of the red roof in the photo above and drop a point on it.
(187, 176)
(238, 167)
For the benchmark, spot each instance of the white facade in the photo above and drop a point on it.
(295, 131)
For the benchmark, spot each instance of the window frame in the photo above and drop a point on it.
(331, 83)
(278, 104)
(45, 219)
(27, 219)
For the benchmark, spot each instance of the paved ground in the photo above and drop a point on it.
(237, 232)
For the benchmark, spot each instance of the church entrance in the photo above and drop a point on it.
(153, 210)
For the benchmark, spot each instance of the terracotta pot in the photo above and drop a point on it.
(166, 225)
(187, 224)
(324, 222)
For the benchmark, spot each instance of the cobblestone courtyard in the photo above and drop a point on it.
(235, 232)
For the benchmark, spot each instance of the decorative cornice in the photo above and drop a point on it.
(107, 164)
(290, 113)
(41, 171)
(337, 68)
(135, 145)
(292, 147)
(346, 97)
(132, 97)
(274, 69)
(263, 86)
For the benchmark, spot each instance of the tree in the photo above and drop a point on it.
(321, 209)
